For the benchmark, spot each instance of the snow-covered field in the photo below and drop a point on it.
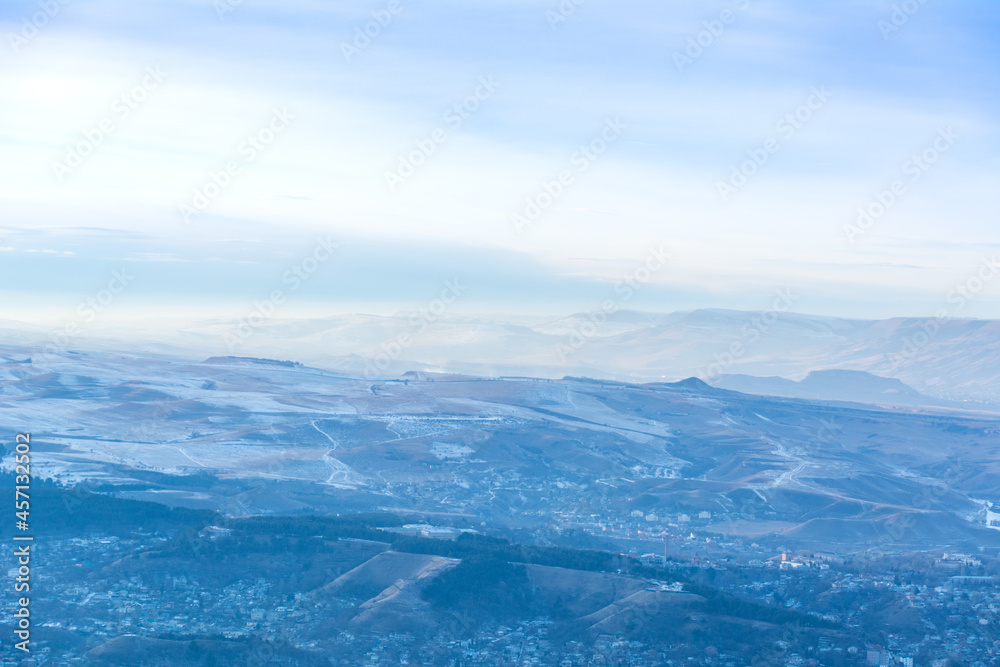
(520, 446)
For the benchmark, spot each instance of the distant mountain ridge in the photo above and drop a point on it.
(945, 359)
(835, 385)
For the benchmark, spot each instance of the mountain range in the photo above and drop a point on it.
(945, 359)
(552, 457)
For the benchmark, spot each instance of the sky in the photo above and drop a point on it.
(536, 151)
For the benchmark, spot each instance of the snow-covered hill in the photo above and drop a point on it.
(540, 453)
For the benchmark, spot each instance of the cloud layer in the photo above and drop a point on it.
(117, 115)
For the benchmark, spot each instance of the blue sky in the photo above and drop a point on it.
(888, 95)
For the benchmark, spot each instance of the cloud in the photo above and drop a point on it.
(356, 119)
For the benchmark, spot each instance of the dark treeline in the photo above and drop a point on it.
(56, 509)
(59, 509)
(467, 546)
(719, 602)
(476, 587)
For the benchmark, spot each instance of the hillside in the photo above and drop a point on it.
(521, 453)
